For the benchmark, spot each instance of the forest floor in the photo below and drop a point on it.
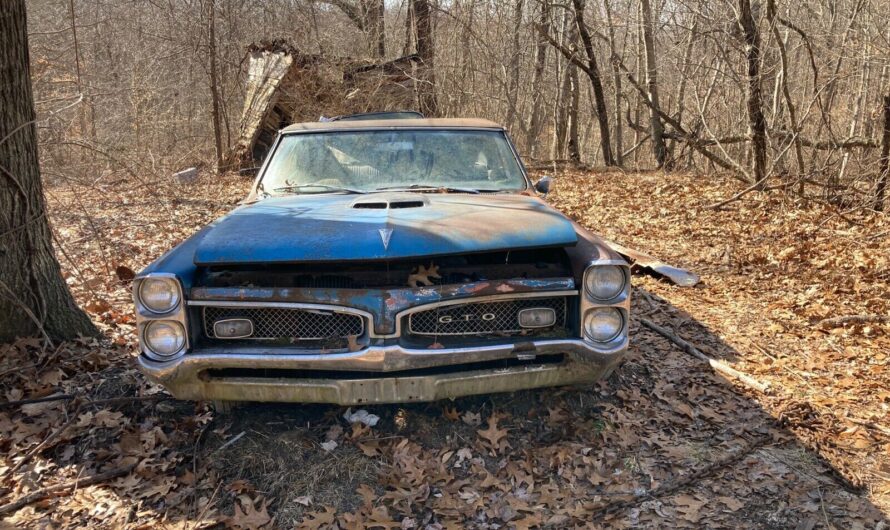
(664, 442)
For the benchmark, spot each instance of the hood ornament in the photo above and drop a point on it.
(385, 235)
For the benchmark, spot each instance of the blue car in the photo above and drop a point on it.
(384, 261)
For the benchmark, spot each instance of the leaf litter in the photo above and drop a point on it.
(664, 442)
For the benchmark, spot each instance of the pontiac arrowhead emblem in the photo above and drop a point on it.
(385, 235)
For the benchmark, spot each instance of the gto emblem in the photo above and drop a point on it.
(385, 235)
(467, 317)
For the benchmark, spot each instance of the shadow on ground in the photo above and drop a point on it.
(664, 441)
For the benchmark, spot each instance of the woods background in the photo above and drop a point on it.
(756, 89)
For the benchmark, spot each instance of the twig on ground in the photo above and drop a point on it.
(60, 489)
(42, 445)
(837, 322)
(46, 399)
(685, 481)
(69, 397)
(230, 442)
(715, 364)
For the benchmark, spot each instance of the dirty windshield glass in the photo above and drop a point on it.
(367, 161)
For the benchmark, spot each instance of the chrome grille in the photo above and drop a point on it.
(482, 318)
(272, 323)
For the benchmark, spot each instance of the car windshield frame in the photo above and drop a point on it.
(258, 190)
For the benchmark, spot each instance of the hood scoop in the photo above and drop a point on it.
(390, 204)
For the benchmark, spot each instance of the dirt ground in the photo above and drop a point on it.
(665, 442)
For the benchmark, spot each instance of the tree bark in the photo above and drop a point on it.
(593, 72)
(214, 84)
(513, 80)
(783, 73)
(426, 51)
(34, 298)
(533, 130)
(375, 12)
(885, 158)
(756, 119)
(616, 79)
(659, 149)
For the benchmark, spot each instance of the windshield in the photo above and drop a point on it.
(368, 161)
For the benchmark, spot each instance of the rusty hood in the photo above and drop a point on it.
(380, 226)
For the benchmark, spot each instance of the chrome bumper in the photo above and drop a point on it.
(185, 377)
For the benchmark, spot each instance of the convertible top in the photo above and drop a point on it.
(427, 123)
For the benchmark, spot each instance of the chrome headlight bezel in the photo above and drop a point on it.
(146, 316)
(173, 288)
(152, 350)
(608, 312)
(619, 301)
(590, 288)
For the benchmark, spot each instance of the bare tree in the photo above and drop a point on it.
(426, 51)
(214, 83)
(34, 298)
(656, 126)
(756, 119)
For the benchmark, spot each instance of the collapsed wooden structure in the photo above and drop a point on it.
(286, 86)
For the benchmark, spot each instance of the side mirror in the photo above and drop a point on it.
(543, 185)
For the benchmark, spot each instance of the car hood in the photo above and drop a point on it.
(380, 226)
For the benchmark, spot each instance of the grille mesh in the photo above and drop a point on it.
(482, 318)
(294, 324)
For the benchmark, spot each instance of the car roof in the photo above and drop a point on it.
(426, 123)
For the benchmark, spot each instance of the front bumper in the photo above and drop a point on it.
(381, 382)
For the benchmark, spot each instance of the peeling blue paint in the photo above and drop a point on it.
(327, 227)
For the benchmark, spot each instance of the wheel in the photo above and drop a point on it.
(225, 407)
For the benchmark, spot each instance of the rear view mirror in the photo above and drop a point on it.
(543, 185)
(249, 171)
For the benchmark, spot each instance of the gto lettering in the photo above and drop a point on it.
(467, 317)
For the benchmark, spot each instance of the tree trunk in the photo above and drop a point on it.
(513, 80)
(593, 72)
(34, 298)
(756, 119)
(375, 12)
(214, 84)
(533, 130)
(574, 140)
(659, 149)
(426, 51)
(885, 158)
(616, 79)
(784, 73)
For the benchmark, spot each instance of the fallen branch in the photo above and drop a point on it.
(47, 399)
(837, 322)
(61, 489)
(715, 364)
(694, 477)
(42, 445)
(69, 397)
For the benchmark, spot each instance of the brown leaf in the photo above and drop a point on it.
(450, 413)
(424, 276)
(124, 274)
(493, 435)
(248, 516)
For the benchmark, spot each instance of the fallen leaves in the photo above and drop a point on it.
(424, 276)
(494, 438)
(626, 452)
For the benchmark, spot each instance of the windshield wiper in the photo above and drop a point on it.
(323, 187)
(428, 187)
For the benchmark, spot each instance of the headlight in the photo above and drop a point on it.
(605, 282)
(165, 338)
(159, 295)
(603, 324)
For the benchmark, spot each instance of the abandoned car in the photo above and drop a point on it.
(384, 261)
